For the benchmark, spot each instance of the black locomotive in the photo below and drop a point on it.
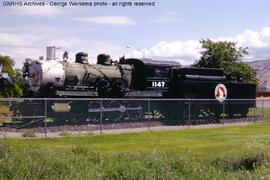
(132, 78)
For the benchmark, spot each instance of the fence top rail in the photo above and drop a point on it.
(121, 99)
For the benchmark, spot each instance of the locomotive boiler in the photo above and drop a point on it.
(52, 78)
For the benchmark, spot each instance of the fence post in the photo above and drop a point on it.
(148, 117)
(189, 113)
(254, 113)
(223, 113)
(262, 108)
(101, 114)
(45, 120)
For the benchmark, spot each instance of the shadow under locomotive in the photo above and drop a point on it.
(29, 113)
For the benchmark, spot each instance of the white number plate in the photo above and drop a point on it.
(158, 84)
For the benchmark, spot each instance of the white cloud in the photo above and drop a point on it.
(108, 20)
(186, 52)
(258, 43)
(20, 53)
(248, 38)
(31, 42)
(21, 43)
(10, 39)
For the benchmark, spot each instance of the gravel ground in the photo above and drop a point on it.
(78, 130)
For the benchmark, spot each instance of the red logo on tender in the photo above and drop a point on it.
(220, 92)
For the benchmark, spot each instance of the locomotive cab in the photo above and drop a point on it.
(150, 75)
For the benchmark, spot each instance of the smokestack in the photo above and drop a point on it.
(51, 53)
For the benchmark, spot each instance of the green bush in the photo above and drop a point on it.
(248, 162)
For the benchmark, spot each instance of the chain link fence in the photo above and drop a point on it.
(126, 115)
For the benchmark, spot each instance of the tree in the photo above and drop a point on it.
(224, 54)
(14, 88)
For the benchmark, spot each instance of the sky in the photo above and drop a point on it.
(170, 30)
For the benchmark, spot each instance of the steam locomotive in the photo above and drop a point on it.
(128, 77)
(133, 78)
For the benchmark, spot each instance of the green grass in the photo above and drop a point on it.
(195, 141)
(219, 153)
(83, 163)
